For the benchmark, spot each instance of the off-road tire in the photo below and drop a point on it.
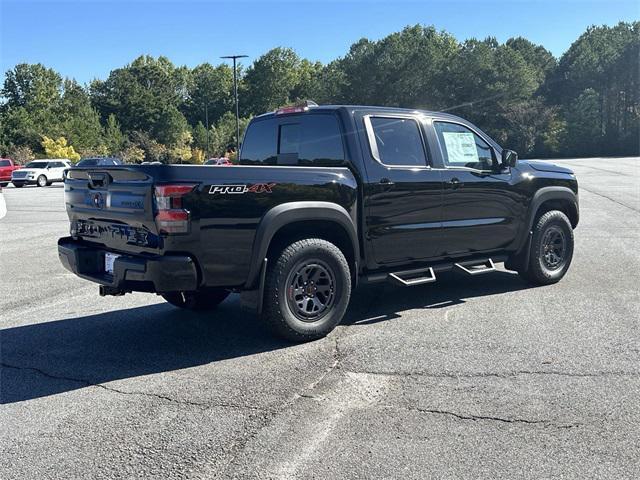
(200, 301)
(281, 307)
(539, 272)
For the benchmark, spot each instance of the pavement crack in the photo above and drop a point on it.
(609, 198)
(512, 374)
(476, 418)
(167, 398)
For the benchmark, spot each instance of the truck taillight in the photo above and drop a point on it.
(171, 216)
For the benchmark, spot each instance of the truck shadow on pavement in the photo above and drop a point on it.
(53, 357)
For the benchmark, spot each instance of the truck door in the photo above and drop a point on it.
(480, 205)
(402, 194)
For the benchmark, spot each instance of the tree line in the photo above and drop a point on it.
(586, 103)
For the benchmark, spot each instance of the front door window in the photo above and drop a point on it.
(462, 147)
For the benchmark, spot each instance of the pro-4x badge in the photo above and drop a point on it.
(239, 189)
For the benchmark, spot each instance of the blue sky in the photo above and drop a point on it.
(86, 39)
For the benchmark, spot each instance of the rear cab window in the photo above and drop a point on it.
(302, 140)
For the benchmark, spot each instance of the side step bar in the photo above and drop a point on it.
(413, 279)
(476, 267)
(420, 276)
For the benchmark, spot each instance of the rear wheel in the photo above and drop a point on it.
(201, 300)
(42, 181)
(551, 249)
(307, 290)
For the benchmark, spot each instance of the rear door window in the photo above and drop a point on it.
(5, 163)
(397, 141)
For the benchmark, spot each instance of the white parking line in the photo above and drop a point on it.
(3, 206)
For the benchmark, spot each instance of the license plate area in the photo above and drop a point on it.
(109, 260)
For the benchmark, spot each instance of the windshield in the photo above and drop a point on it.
(37, 164)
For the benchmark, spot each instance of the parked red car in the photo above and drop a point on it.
(6, 167)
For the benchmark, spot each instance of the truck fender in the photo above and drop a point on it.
(291, 212)
(520, 260)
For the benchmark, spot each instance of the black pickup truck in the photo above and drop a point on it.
(324, 198)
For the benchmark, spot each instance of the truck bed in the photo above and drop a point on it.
(116, 208)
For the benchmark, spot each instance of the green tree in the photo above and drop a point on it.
(210, 93)
(407, 68)
(141, 94)
(494, 86)
(272, 80)
(170, 127)
(31, 95)
(200, 138)
(584, 126)
(225, 133)
(113, 137)
(153, 150)
(79, 121)
(32, 86)
(599, 77)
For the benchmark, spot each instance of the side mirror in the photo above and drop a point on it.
(509, 158)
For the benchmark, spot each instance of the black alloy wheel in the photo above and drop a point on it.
(553, 247)
(310, 291)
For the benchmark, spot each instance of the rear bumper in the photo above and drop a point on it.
(167, 273)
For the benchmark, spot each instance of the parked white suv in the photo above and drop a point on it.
(41, 172)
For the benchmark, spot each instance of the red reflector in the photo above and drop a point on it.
(172, 216)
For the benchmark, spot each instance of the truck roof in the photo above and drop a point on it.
(356, 108)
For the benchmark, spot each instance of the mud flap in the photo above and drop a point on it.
(519, 261)
(251, 300)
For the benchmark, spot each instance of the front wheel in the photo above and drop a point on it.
(200, 301)
(551, 249)
(307, 290)
(42, 181)
(18, 184)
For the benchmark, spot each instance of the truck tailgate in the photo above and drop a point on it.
(113, 207)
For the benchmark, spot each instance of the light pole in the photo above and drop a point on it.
(235, 96)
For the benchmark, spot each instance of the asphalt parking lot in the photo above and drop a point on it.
(466, 378)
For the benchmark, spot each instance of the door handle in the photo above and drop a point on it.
(455, 183)
(386, 183)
